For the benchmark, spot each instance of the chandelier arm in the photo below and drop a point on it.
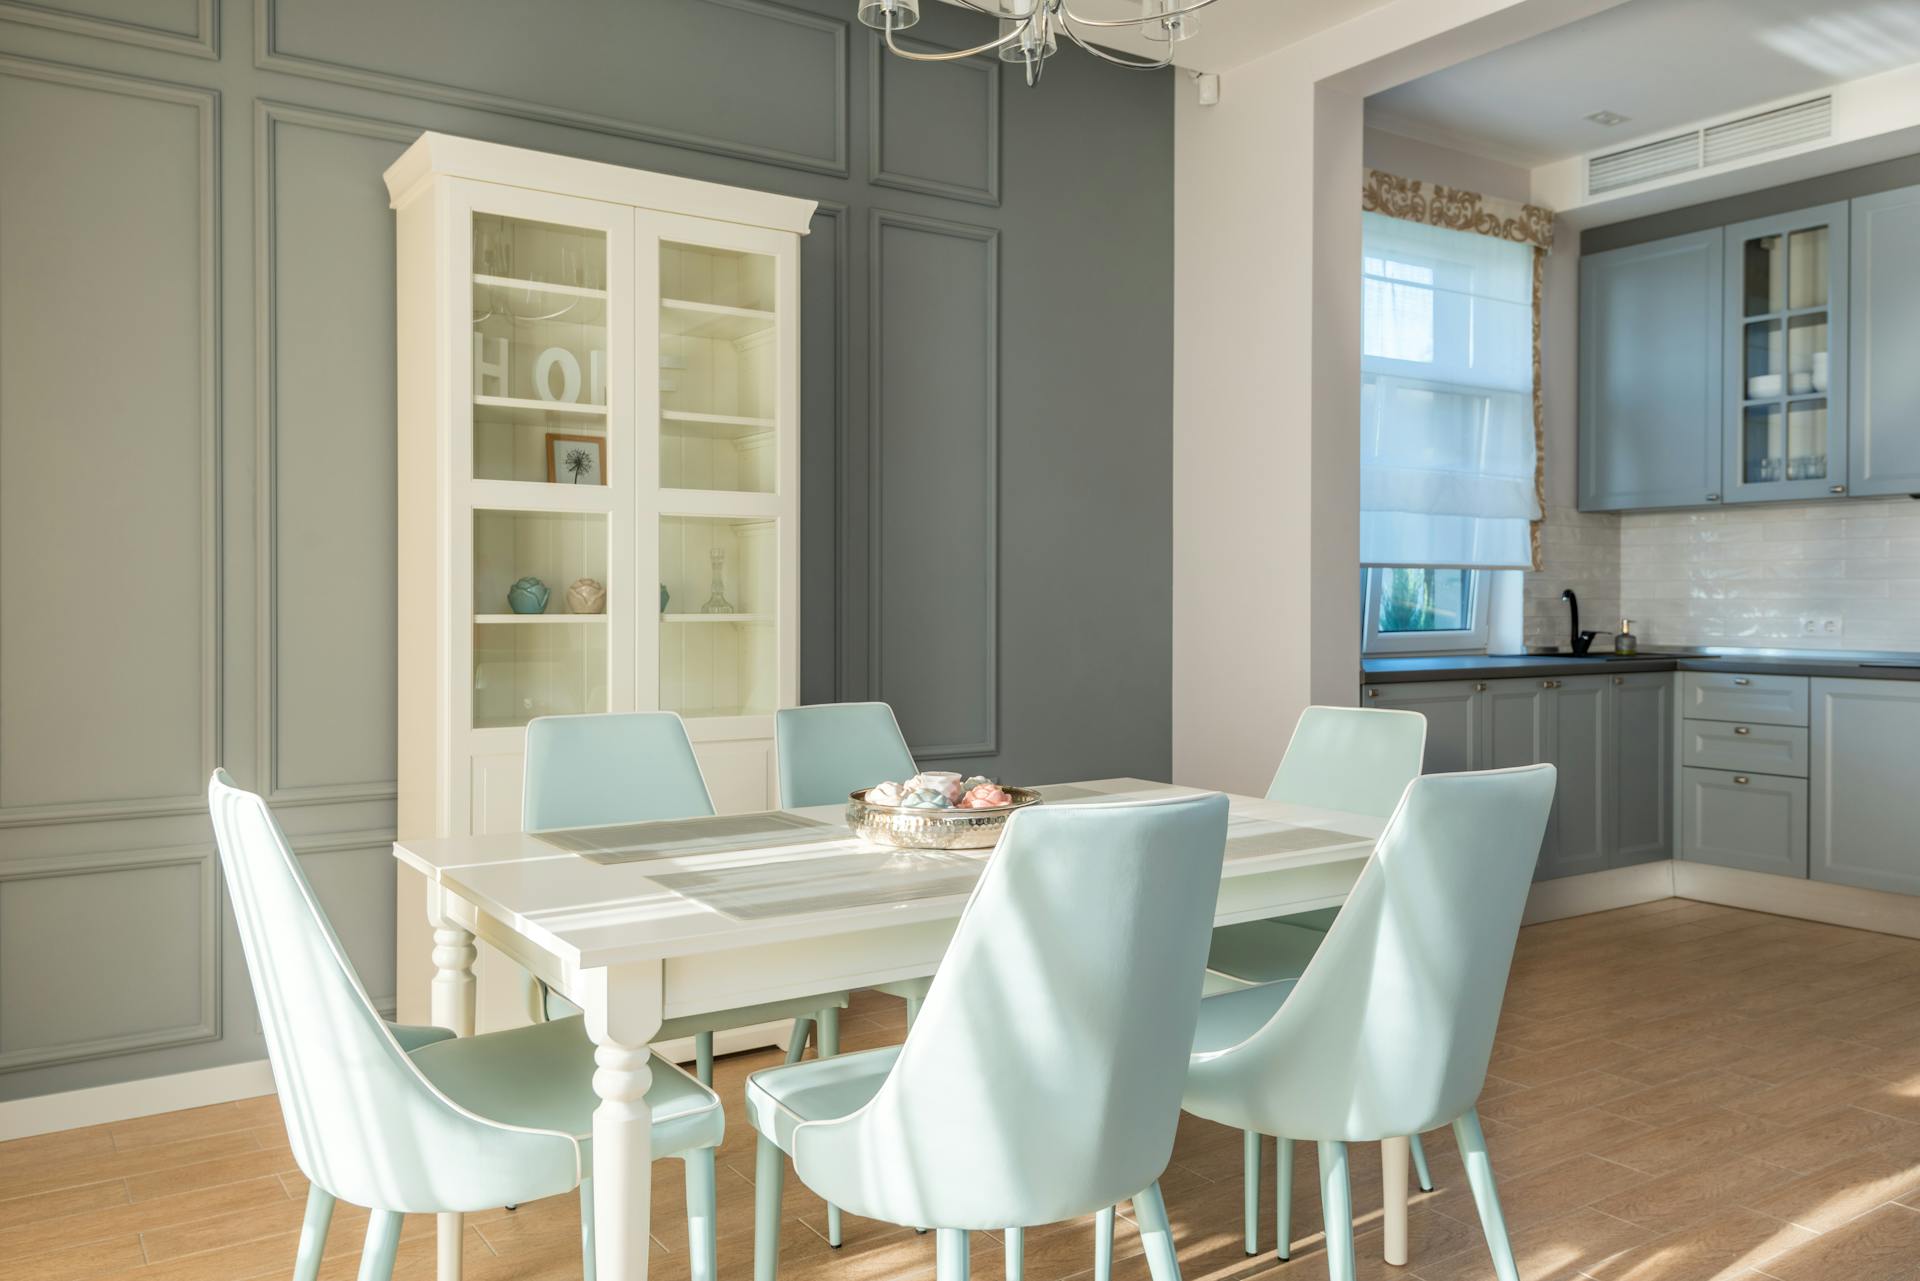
(1104, 56)
(953, 55)
(1071, 16)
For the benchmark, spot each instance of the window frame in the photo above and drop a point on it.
(1467, 640)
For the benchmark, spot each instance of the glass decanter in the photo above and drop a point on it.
(718, 602)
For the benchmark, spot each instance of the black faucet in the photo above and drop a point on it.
(1582, 641)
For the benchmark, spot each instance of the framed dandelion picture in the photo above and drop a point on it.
(576, 460)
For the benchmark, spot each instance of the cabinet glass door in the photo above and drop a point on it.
(719, 366)
(540, 638)
(540, 343)
(1787, 285)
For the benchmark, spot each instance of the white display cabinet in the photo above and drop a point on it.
(599, 380)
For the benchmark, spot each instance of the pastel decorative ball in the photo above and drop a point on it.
(586, 596)
(528, 596)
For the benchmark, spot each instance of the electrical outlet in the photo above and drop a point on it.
(1823, 626)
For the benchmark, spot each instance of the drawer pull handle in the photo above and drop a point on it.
(1549, 684)
(1373, 693)
(1479, 687)
(1619, 680)
(1741, 680)
(1742, 730)
(1740, 779)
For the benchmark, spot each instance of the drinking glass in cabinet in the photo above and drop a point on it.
(718, 331)
(1762, 445)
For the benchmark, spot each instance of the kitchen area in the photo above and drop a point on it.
(1718, 642)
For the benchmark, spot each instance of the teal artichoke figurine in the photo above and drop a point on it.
(528, 596)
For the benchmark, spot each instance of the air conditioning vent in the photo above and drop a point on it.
(1806, 121)
(1643, 163)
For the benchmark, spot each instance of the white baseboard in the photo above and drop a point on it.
(1876, 910)
(23, 1118)
(1599, 892)
(104, 1104)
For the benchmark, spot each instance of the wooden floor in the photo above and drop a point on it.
(1680, 1091)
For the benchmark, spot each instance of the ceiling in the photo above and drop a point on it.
(1662, 63)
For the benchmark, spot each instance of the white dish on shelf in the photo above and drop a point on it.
(1761, 386)
(1820, 368)
(1801, 383)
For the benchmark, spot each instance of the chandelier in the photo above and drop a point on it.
(1030, 30)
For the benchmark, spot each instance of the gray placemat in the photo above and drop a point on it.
(801, 886)
(692, 837)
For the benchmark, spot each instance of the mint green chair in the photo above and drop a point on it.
(411, 1120)
(637, 767)
(1043, 1077)
(1340, 758)
(1389, 1030)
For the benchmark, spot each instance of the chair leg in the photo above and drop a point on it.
(1283, 1197)
(313, 1234)
(1420, 1163)
(797, 1040)
(703, 1058)
(1103, 1244)
(1250, 1187)
(586, 1229)
(1473, 1154)
(1016, 1254)
(383, 1240)
(703, 1230)
(1156, 1234)
(769, 1179)
(1336, 1201)
(913, 1010)
(950, 1255)
(826, 1043)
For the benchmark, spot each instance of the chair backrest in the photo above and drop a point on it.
(1358, 759)
(1042, 1079)
(619, 767)
(364, 1123)
(830, 749)
(1389, 1030)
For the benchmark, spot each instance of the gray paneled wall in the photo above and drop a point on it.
(196, 429)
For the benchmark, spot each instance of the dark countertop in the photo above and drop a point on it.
(1884, 667)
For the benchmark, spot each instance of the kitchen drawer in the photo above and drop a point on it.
(1748, 749)
(1755, 822)
(1748, 699)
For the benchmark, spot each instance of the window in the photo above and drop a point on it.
(1425, 611)
(1446, 398)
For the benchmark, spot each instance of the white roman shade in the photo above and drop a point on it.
(1447, 447)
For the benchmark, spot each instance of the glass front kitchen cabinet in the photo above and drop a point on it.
(1786, 356)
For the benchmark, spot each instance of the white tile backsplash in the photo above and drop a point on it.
(1737, 575)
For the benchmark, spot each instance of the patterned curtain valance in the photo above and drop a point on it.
(1459, 210)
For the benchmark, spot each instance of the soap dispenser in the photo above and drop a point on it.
(1624, 641)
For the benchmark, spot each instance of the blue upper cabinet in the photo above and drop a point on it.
(1883, 415)
(1652, 328)
(1785, 391)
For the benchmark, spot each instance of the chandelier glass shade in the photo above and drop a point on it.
(1030, 30)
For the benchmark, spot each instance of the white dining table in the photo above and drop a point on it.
(641, 922)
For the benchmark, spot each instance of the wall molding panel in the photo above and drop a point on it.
(205, 104)
(84, 949)
(270, 55)
(943, 613)
(200, 40)
(888, 74)
(269, 118)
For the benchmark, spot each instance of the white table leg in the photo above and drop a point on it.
(453, 1008)
(1395, 1156)
(623, 1013)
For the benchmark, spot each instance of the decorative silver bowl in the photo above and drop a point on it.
(924, 829)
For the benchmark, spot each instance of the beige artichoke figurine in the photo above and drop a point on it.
(586, 596)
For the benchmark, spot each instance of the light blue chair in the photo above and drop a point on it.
(1389, 1030)
(1042, 1079)
(409, 1120)
(638, 767)
(830, 749)
(1340, 758)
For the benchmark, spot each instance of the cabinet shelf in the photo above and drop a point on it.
(514, 406)
(692, 426)
(683, 318)
(757, 620)
(491, 620)
(538, 286)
